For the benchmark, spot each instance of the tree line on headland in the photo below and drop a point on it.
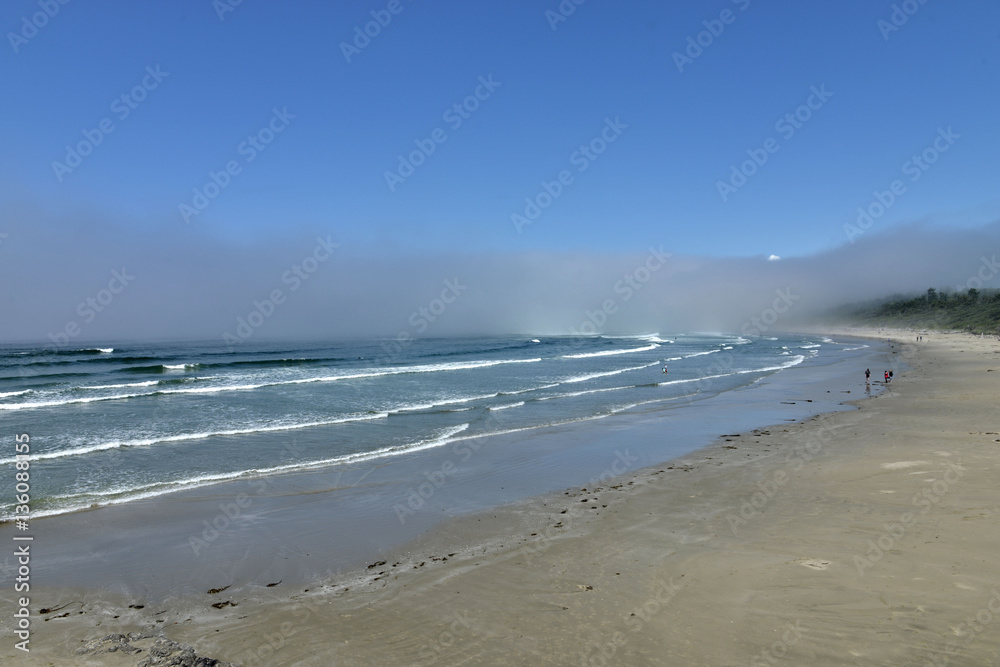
(975, 311)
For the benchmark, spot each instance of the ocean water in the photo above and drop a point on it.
(116, 424)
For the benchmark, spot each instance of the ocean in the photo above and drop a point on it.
(124, 422)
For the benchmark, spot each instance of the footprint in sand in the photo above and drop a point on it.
(815, 564)
(899, 465)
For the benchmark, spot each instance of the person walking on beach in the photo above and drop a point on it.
(868, 374)
(887, 377)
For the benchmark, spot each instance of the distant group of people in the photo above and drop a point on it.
(868, 374)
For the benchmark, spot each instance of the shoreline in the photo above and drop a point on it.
(651, 550)
(307, 526)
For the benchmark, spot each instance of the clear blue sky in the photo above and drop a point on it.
(655, 184)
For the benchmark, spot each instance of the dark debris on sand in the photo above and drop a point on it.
(113, 643)
(162, 653)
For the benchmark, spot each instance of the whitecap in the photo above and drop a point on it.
(8, 394)
(184, 437)
(592, 376)
(507, 406)
(608, 353)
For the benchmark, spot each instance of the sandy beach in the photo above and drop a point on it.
(863, 537)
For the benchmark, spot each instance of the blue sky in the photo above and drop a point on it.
(557, 85)
(656, 183)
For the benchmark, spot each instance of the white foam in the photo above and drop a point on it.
(467, 399)
(145, 442)
(530, 428)
(105, 350)
(507, 406)
(651, 338)
(211, 390)
(448, 401)
(121, 386)
(852, 349)
(608, 353)
(809, 347)
(798, 359)
(654, 400)
(46, 404)
(160, 488)
(698, 379)
(8, 394)
(700, 354)
(592, 376)
(399, 370)
(529, 389)
(644, 336)
(794, 361)
(414, 407)
(428, 368)
(588, 391)
(654, 338)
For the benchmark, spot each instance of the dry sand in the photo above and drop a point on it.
(869, 537)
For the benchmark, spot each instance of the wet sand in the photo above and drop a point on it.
(305, 526)
(860, 537)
